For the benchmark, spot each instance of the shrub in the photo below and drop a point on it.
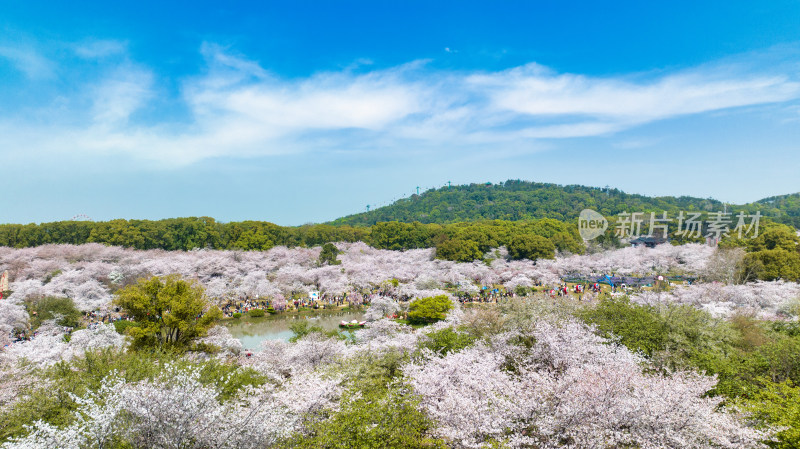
(429, 310)
(122, 325)
(446, 341)
(376, 411)
(237, 315)
(62, 310)
(638, 327)
(522, 290)
(256, 313)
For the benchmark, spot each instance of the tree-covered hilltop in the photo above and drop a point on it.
(783, 208)
(522, 200)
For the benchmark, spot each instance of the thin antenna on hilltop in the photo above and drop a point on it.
(448, 185)
(417, 190)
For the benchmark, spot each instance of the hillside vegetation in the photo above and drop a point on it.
(521, 200)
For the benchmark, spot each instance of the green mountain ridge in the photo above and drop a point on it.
(488, 215)
(515, 200)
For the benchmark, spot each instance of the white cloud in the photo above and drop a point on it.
(120, 95)
(29, 61)
(537, 92)
(96, 49)
(237, 108)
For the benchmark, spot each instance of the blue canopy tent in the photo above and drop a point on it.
(612, 281)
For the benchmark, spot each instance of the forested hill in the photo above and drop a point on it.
(521, 200)
(784, 208)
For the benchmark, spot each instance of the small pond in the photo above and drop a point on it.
(252, 331)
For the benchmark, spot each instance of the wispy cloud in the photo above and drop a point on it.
(536, 91)
(95, 49)
(28, 61)
(238, 108)
(120, 95)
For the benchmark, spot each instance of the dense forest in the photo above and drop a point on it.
(522, 200)
(457, 241)
(176, 234)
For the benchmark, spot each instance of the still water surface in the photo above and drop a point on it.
(252, 331)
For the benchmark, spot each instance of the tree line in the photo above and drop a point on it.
(468, 241)
(176, 234)
(465, 241)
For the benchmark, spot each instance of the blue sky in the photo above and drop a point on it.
(297, 112)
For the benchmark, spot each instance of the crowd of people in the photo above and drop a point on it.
(297, 302)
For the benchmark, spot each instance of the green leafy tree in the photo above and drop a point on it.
(771, 264)
(776, 236)
(458, 250)
(531, 247)
(777, 405)
(170, 311)
(396, 235)
(638, 327)
(328, 255)
(429, 310)
(447, 340)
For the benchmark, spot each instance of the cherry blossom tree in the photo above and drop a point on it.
(383, 335)
(13, 318)
(98, 336)
(49, 346)
(768, 300)
(381, 307)
(281, 360)
(570, 388)
(471, 399)
(220, 336)
(14, 381)
(42, 350)
(176, 410)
